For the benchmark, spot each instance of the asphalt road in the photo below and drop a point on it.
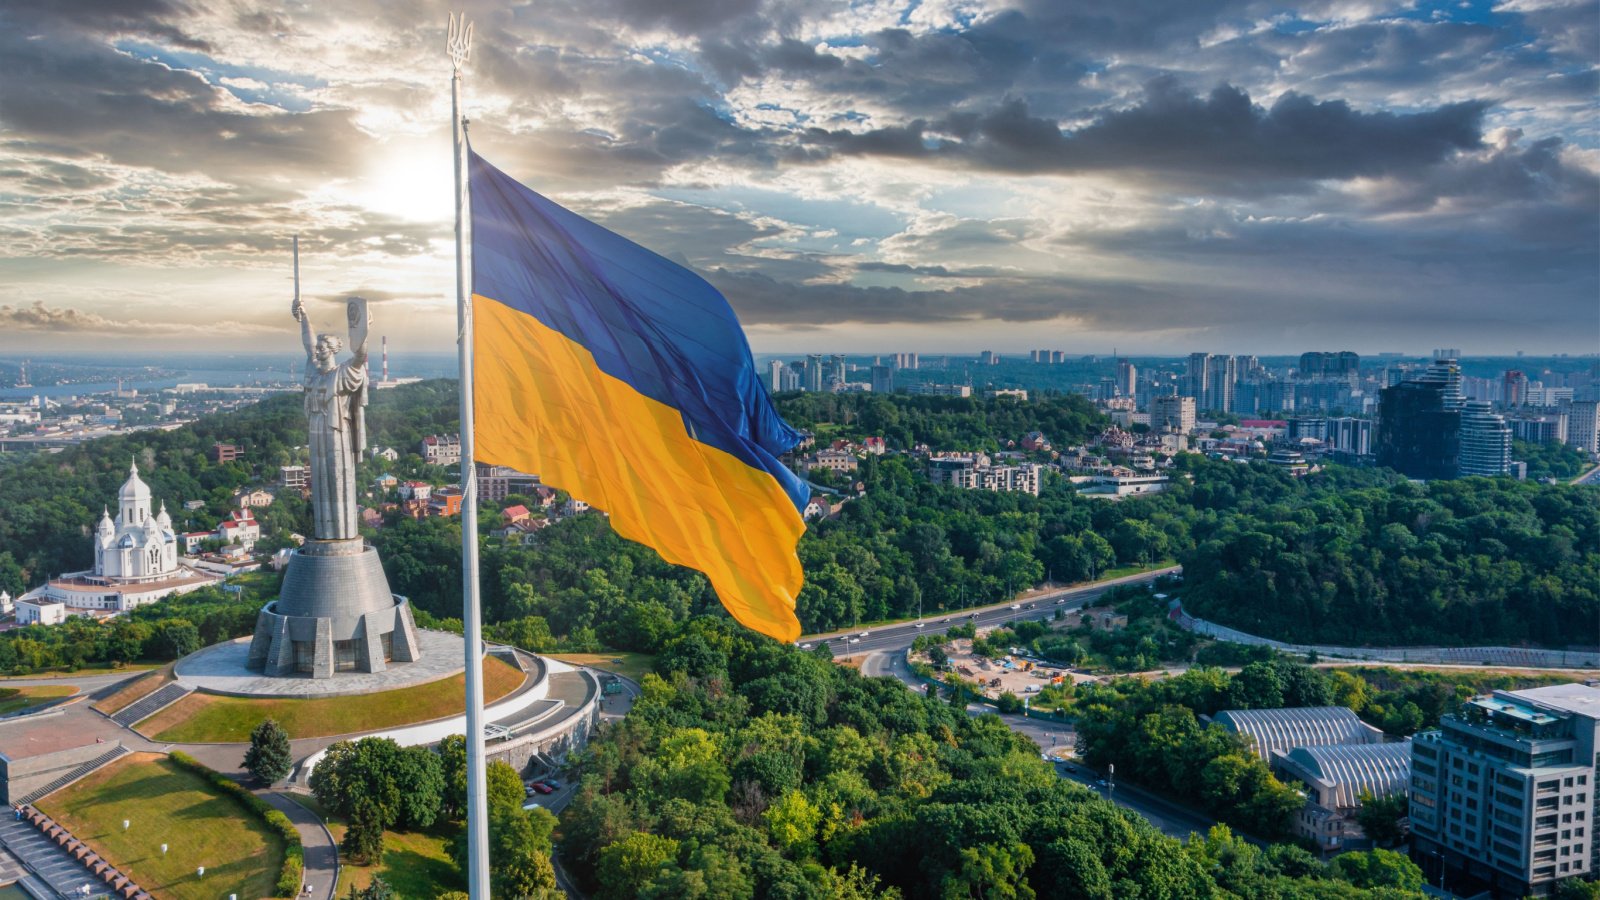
(891, 638)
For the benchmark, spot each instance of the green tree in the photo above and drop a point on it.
(363, 837)
(268, 758)
(629, 864)
(792, 822)
(1377, 869)
(405, 784)
(991, 872)
(1379, 817)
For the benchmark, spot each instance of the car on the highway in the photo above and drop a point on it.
(922, 624)
(865, 633)
(943, 620)
(1060, 600)
(1016, 606)
(855, 640)
(805, 646)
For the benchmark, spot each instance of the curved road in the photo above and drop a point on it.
(890, 638)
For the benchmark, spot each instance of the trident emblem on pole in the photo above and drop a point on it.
(459, 41)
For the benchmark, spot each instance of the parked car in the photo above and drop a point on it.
(542, 788)
(553, 783)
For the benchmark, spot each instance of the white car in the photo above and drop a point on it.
(805, 646)
(855, 640)
(865, 633)
(1016, 606)
(922, 624)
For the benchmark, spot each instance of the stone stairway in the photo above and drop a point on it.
(71, 776)
(150, 704)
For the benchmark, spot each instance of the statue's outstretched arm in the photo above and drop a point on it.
(307, 337)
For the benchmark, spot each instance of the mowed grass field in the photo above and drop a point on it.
(415, 863)
(166, 804)
(17, 699)
(211, 718)
(623, 662)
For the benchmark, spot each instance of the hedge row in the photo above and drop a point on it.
(293, 871)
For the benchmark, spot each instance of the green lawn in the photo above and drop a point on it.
(166, 804)
(212, 718)
(415, 864)
(623, 662)
(16, 699)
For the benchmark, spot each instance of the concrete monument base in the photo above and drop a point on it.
(334, 614)
(224, 669)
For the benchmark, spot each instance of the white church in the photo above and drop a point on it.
(135, 562)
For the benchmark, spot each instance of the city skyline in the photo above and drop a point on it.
(934, 176)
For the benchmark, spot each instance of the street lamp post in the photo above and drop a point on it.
(1111, 782)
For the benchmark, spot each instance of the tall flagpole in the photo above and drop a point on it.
(459, 45)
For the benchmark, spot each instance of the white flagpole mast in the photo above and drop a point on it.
(459, 45)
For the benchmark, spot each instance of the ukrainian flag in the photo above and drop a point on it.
(625, 380)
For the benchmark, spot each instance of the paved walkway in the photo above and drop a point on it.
(322, 856)
(221, 668)
(53, 865)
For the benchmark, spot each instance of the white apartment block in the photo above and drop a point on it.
(1505, 789)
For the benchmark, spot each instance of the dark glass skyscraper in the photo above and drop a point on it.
(1419, 435)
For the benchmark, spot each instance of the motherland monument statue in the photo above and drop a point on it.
(335, 612)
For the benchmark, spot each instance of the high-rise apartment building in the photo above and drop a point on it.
(907, 361)
(988, 358)
(1583, 425)
(1505, 789)
(1127, 378)
(1196, 379)
(1540, 429)
(883, 379)
(1445, 370)
(838, 371)
(1322, 365)
(1514, 388)
(1347, 434)
(1485, 441)
(775, 375)
(1222, 377)
(813, 375)
(1172, 414)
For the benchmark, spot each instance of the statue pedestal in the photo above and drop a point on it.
(334, 614)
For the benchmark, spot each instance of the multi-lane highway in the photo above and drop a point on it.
(889, 638)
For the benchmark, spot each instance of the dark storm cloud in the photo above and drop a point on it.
(81, 91)
(1222, 142)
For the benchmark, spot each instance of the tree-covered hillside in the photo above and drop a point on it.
(749, 769)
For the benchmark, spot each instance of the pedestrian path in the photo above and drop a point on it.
(321, 856)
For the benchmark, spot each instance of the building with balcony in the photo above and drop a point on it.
(1503, 791)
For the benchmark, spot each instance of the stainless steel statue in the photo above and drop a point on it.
(336, 400)
(335, 612)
